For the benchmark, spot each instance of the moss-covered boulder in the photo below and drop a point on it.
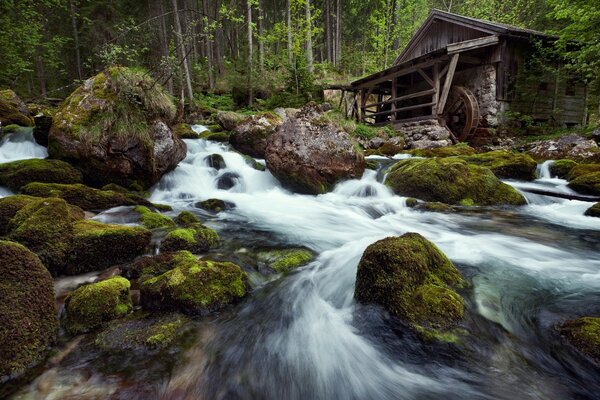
(250, 135)
(434, 206)
(250, 161)
(90, 306)
(87, 198)
(143, 331)
(561, 168)
(222, 137)
(450, 181)
(28, 323)
(593, 211)
(181, 282)
(215, 161)
(506, 164)
(285, 260)
(460, 149)
(186, 218)
(153, 220)
(16, 174)
(115, 128)
(96, 246)
(195, 237)
(215, 205)
(13, 110)
(587, 184)
(184, 131)
(584, 334)
(413, 280)
(9, 207)
(45, 226)
(228, 120)
(582, 169)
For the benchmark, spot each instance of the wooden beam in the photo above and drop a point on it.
(373, 114)
(472, 44)
(447, 83)
(427, 78)
(436, 84)
(394, 97)
(387, 75)
(427, 92)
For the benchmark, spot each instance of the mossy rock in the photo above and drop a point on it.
(97, 246)
(587, 184)
(371, 164)
(229, 120)
(215, 161)
(91, 306)
(413, 280)
(460, 149)
(286, 260)
(17, 174)
(186, 218)
(88, 198)
(434, 206)
(450, 181)
(115, 188)
(143, 331)
(593, 211)
(45, 226)
(184, 131)
(222, 137)
(13, 110)
(582, 169)
(215, 205)
(411, 202)
(195, 238)
(193, 286)
(387, 149)
(253, 163)
(9, 207)
(584, 334)
(561, 168)
(28, 323)
(153, 220)
(505, 164)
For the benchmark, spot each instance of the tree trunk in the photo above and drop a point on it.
(338, 22)
(328, 40)
(164, 41)
(41, 73)
(75, 38)
(208, 48)
(184, 61)
(249, 23)
(309, 49)
(261, 45)
(289, 32)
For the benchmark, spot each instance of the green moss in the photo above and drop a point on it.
(435, 206)
(460, 149)
(9, 207)
(194, 286)
(584, 334)
(387, 149)
(215, 205)
(451, 181)
(184, 131)
(582, 169)
(506, 164)
(253, 163)
(10, 110)
(371, 164)
(28, 323)
(195, 238)
(142, 331)
(412, 279)
(411, 202)
(45, 226)
(16, 174)
(283, 261)
(593, 211)
(152, 220)
(588, 183)
(186, 218)
(162, 207)
(10, 128)
(83, 196)
(561, 168)
(90, 306)
(215, 136)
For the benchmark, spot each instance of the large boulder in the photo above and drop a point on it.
(573, 147)
(413, 280)
(587, 183)
(505, 164)
(251, 135)
(450, 181)
(17, 174)
(28, 323)
(115, 128)
(181, 282)
(593, 211)
(194, 237)
(13, 110)
(310, 154)
(562, 168)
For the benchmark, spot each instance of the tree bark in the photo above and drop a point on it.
(208, 48)
(75, 38)
(184, 61)
(338, 22)
(289, 32)
(164, 39)
(249, 23)
(309, 49)
(261, 45)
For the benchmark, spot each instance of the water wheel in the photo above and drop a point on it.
(461, 113)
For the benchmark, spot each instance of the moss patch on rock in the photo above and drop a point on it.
(448, 151)
(588, 183)
(506, 164)
(196, 238)
(412, 279)
(184, 131)
(216, 136)
(434, 206)
(286, 260)
(215, 205)
(582, 169)
(584, 334)
(13, 110)
(186, 218)
(561, 168)
(593, 211)
(192, 286)
(451, 181)
(17, 174)
(28, 323)
(153, 220)
(9, 207)
(90, 306)
(84, 196)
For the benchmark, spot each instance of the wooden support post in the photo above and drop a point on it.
(394, 96)
(427, 78)
(447, 83)
(436, 87)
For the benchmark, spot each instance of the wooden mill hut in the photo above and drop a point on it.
(467, 75)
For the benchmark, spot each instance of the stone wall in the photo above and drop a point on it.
(425, 134)
(481, 80)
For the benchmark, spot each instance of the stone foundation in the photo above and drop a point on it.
(425, 134)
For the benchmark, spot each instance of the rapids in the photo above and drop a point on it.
(302, 336)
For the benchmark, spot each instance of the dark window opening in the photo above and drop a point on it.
(570, 89)
(543, 87)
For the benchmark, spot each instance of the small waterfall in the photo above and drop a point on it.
(543, 169)
(20, 145)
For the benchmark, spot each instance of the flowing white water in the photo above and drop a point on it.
(20, 145)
